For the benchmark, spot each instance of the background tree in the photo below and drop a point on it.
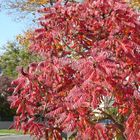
(16, 54)
(6, 114)
(90, 75)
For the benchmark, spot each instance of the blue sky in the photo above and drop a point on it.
(9, 28)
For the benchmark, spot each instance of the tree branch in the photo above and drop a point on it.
(120, 126)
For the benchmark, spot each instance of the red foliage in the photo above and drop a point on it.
(91, 52)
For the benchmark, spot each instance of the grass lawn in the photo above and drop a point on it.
(10, 132)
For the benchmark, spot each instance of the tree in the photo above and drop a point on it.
(6, 113)
(88, 85)
(15, 55)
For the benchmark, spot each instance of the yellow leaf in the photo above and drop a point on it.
(39, 1)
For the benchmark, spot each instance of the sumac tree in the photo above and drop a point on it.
(90, 74)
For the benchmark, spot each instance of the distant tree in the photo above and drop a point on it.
(15, 55)
(6, 113)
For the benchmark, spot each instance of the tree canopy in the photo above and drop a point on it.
(6, 114)
(90, 73)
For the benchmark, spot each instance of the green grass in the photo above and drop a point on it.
(10, 132)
